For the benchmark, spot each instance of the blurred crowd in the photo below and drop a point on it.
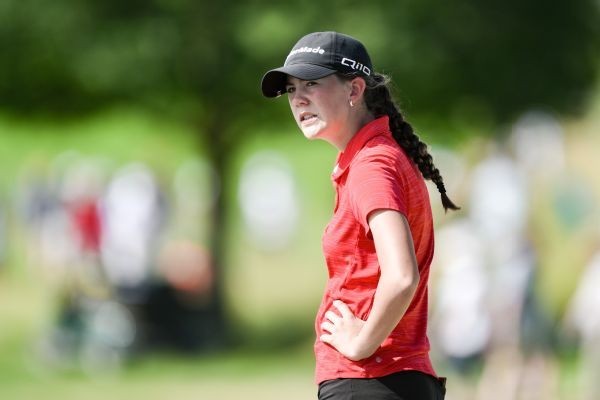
(125, 247)
(124, 251)
(491, 320)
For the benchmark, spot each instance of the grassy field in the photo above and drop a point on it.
(227, 376)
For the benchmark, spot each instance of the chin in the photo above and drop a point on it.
(311, 135)
(312, 132)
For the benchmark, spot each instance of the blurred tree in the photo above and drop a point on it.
(496, 58)
(484, 60)
(501, 56)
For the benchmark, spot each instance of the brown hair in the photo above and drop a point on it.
(380, 102)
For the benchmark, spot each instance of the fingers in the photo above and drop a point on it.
(333, 317)
(328, 327)
(333, 321)
(325, 338)
(343, 309)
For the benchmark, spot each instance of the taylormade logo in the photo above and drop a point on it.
(317, 50)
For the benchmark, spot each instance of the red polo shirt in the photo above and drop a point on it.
(374, 173)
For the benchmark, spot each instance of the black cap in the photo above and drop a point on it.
(316, 56)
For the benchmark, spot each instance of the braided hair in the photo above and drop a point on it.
(380, 102)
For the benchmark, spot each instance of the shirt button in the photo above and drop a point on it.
(378, 359)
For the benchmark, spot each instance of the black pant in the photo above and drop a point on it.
(405, 385)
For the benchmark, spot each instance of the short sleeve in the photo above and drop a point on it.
(374, 183)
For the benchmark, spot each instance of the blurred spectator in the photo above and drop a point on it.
(268, 200)
(584, 317)
(134, 213)
(92, 331)
(499, 202)
(461, 322)
(179, 311)
(537, 140)
(81, 191)
(95, 335)
(520, 362)
(39, 210)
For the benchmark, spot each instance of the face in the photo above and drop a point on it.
(320, 107)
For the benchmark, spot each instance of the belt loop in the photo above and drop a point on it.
(442, 380)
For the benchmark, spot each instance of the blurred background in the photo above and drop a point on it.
(160, 221)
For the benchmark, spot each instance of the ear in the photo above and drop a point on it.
(357, 89)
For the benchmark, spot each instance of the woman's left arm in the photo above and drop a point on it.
(357, 339)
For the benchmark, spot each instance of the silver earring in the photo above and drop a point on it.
(351, 103)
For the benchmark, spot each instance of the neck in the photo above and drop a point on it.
(355, 125)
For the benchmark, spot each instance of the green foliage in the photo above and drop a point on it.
(496, 58)
(483, 60)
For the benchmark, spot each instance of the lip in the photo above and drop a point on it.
(306, 117)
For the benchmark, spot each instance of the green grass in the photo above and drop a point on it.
(26, 310)
(223, 376)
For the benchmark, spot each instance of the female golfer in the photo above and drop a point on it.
(372, 322)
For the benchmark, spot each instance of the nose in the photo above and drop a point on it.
(298, 97)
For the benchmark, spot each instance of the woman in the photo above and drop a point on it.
(371, 325)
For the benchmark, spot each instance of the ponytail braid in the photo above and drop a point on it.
(379, 102)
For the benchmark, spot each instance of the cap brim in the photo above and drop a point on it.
(274, 81)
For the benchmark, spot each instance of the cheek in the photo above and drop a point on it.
(330, 106)
(336, 109)
(291, 107)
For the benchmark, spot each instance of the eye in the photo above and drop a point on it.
(290, 89)
(311, 83)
